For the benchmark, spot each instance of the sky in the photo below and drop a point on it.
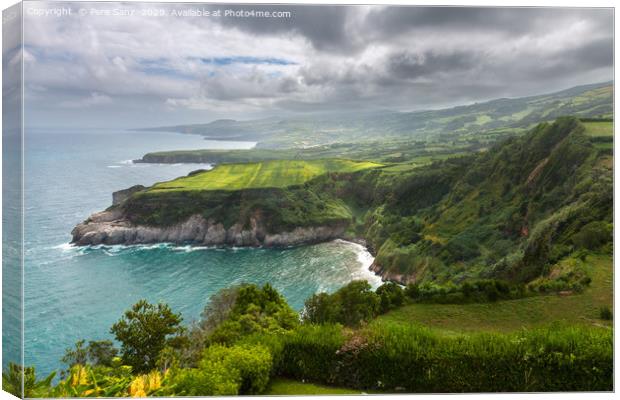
(142, 70)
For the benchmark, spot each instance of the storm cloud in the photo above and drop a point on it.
(142, 70)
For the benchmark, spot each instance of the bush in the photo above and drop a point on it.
(351, 305)
(226, 371)
(310, 353)
(321, 308)
(255, 310)
(482, 290)
(416, 359)
(391, 296)
(593, 235)
(605, 313)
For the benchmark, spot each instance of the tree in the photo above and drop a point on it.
(76, 355)
(391, 296)
(218, 308)
(98, 352)
(101, 352)
(255, 310)
(144, 331)
(358, 303)
(321, 308)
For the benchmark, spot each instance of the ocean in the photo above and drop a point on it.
(78, 293)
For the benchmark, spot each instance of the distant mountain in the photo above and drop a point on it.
(595, 100)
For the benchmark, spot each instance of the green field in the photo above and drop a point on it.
(511, 315)
(266, 174)
(597, 129)
(287, 387)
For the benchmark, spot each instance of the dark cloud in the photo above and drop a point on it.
(393, 20)
(346, 29)
(325, 27)
(323, 58)
(408, 66)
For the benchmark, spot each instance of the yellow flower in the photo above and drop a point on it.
(136, 389)
(79, 376)
(154, 381)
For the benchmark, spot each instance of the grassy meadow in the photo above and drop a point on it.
(599, 128)
(512, 315)
(289, 387)
(266, 174)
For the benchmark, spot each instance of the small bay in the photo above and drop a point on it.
(73, 293)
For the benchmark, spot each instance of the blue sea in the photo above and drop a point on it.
(78, 293)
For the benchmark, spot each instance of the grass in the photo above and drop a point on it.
(282, 386)
(597, 129)
(266, 174)
(511, 315)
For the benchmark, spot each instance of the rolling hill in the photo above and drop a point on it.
(482, 120)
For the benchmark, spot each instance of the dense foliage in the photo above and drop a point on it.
(249, 334)
(415, 359)
(517, 220)
(510, 213)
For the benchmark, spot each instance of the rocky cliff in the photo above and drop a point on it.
(111, 227)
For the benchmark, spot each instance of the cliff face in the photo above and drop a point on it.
(111, 227)
(122, 195)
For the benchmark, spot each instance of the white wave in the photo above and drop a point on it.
(65, 247)
(365, 260)
(116, 249)
(114, 166)
(190, 248)
(127, 162)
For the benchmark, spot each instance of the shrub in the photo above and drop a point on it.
(99, 352)
(310, 353)
(252, 365)
(255, 310)
(321, 308)
(226, 371)
(593, 235)
(351, 305)
(605, 313)
(413, 291)
(416, 359)
(482, 290)
(15, 377)
(391, 296)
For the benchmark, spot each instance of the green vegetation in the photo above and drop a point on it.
(289, 387)
(511, 213)
(351, 305)
(249, 341)
(470, 124)
(529, 312)
(266, 174)
(519, 212)
(144, 331)
(505, 256)
(605, 313)
(599, 128)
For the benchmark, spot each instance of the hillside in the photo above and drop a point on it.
(512, 315)
(521, 211)
(481, 120)
(512, 212)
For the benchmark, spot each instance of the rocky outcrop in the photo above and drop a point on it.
(391, 276)
(110, 227)
(122, 195)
